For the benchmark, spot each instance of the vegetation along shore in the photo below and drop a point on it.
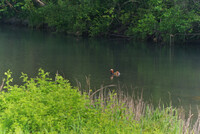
(46, 105)
(158, 20)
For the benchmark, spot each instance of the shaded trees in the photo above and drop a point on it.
(145, 19)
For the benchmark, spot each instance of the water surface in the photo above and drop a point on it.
(156, 69)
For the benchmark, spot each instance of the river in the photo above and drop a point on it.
(160, 71)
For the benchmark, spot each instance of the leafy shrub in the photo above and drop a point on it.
(44, 105)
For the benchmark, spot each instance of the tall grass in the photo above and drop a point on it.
(149, 119)
(43, 105)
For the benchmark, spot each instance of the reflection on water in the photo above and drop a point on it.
(156, 69)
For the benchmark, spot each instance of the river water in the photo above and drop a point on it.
(169, 73)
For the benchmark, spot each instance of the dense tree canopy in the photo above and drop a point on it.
(140, 19)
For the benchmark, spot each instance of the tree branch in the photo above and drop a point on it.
(39, 2)
(10, 5)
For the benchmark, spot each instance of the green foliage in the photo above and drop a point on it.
(175, 21)
(145, 26)
(101, 23)
(147, 19)
(162, 18)
(13, 8)
(44, 105)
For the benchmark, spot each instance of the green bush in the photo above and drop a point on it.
(43, 105)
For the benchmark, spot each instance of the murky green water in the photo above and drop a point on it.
(157, 70)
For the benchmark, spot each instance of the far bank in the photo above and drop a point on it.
(151, 20)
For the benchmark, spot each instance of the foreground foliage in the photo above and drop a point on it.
(148, 19)
(43, 105)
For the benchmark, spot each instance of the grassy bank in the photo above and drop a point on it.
(45, 105)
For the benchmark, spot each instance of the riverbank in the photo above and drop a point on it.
(46, 105)
(15, 22)
(150, 20)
